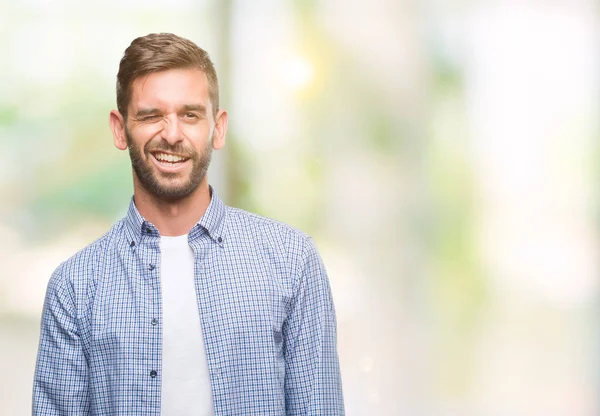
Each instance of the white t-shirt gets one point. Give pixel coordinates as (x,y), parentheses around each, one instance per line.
(185,379)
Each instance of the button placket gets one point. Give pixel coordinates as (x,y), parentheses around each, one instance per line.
(149,266)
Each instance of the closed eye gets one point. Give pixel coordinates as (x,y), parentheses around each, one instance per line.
(153,117)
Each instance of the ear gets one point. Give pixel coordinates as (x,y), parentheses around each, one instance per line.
(220,130)
(117,125)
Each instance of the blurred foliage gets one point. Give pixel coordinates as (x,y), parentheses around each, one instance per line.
(77,176)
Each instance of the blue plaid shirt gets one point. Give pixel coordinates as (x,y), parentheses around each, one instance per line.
(266,309)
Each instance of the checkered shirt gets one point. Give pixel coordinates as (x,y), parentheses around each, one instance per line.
(266,309)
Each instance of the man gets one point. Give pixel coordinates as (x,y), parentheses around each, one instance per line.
(186,306)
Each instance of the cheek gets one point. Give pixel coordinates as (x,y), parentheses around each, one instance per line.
(142,136)
(146,132)
(195,132)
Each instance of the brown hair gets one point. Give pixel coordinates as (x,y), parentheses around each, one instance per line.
(158,52)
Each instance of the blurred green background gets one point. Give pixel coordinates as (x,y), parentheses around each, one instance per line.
(443,155)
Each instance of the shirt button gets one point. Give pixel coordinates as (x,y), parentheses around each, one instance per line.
(154,321)
(153,373)
(220,240)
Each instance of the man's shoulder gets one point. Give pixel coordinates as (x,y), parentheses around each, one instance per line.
(241,220)
(91,255)
(289,241)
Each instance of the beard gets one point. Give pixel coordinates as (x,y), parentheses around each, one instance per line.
(168,186)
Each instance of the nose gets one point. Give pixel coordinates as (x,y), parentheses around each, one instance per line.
(171,131)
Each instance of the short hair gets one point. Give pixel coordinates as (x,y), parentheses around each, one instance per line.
(159,52)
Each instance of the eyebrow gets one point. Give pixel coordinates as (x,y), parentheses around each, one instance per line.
(142,112)
(194,107)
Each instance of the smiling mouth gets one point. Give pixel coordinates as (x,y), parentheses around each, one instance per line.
(168,159)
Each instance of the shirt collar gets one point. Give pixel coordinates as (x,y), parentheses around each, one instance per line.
(212,222)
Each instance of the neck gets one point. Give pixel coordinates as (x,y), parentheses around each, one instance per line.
(172,218)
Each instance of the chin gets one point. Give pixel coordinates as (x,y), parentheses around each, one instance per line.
(174,192)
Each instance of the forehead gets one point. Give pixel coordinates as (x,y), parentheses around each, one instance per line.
(170,89)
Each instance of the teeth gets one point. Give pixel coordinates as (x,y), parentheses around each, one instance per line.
(163,157)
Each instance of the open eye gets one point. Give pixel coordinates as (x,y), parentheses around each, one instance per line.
(190,116)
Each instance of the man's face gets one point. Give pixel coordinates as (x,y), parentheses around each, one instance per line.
(169,132)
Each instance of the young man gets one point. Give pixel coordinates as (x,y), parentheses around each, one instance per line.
(186,306)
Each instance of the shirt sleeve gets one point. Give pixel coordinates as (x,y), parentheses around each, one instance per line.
(60,385)
(312,374)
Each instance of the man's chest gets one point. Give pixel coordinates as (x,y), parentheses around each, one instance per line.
(239,295)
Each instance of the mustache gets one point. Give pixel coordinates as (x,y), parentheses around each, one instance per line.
(161,145)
